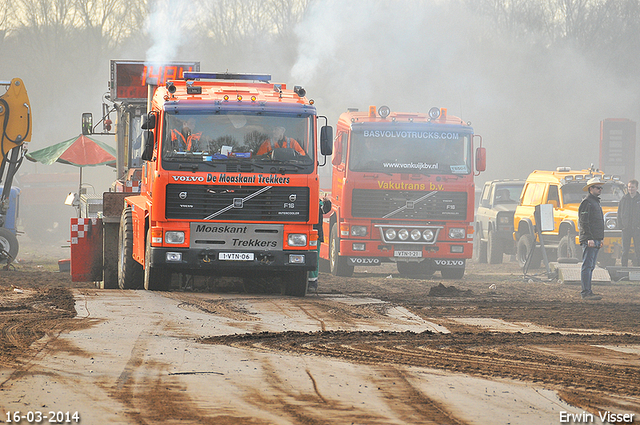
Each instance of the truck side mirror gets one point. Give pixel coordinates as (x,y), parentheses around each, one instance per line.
(326,138)
(148,122)
(147,155)
(87,123)
(481,159)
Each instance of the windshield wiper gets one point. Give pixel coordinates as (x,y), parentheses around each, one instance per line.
(192,167)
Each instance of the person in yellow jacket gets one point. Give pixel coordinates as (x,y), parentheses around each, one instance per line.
(278,140)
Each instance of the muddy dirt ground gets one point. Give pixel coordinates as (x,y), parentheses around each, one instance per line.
(502,325)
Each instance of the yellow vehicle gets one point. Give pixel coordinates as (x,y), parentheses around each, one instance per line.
(15,125)
(563,189)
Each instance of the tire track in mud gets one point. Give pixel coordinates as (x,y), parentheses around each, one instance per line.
(29,317)
(515,356)
(409,402)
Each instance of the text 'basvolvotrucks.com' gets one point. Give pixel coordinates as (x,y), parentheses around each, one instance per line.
(402,191)
(229,183)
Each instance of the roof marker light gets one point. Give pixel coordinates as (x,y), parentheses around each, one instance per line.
(372,111)
(434,112)
(384,111)
(239,97)
(225,97)
(253,98)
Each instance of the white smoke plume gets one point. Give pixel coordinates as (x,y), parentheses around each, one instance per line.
(166,24)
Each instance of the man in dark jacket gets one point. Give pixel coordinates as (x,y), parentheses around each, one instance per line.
(591,224)
(325,207)
(629,222)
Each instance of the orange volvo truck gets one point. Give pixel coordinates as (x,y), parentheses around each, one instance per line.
(229,183)
(402,191)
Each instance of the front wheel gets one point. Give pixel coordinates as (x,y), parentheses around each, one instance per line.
(567,248)
(8,245)
(479,246)
(526,248)
(295,283)
(338,264)
(155,278)
(129,270)
(494,248)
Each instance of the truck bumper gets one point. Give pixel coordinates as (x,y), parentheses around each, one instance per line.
(204,261)
(376,253)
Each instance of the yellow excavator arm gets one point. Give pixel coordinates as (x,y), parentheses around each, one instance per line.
(15,116)
(15,129)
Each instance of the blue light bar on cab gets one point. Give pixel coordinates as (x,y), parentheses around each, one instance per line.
(226,76)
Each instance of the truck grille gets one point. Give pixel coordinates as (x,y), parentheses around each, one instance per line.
(238,203)
(419,205)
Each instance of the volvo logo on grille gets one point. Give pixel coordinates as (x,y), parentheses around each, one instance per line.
(292,197)
(237,202)
(410,205)
(183,195)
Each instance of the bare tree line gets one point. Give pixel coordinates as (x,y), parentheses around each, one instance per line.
(605,30)
(52,29)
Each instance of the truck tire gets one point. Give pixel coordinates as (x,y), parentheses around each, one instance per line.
(525,246)
(110,236)
(295,283)
(567,248)
(479,246)
(129,270)
(155,278)
(494,248)
(338,264)
(8,245)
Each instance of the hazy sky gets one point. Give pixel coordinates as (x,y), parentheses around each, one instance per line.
(535,108)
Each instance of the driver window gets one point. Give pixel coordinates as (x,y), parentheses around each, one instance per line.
(553,197)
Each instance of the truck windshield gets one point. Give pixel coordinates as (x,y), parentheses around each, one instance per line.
(414,152)
(238,136)
(612,192)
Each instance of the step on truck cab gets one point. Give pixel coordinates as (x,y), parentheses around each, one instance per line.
(229,184)
(402,191)
(562,188)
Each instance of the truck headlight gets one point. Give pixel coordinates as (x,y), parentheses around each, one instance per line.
(416,235)
(428,235)
(611,223)
(174,237)
(297,239)
(390,234)
(457,233)
(504,219)
(403,234)
(358,230)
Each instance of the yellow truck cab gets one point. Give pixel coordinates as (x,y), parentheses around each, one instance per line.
(563,189)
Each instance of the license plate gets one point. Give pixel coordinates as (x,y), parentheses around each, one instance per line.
(405,254)
(236,256)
